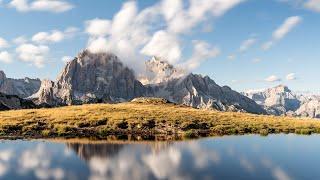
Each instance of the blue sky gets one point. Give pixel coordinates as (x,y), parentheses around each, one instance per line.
(226,42)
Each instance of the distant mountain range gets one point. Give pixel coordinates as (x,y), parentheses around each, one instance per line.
(20,87)
(103,78)
(280,100)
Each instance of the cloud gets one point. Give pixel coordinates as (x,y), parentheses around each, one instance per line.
(54,36)
(45,37)
(157,30)
(291,76)
(98,27)
(5,57)
(163,45)
(272,78)
(279,174)
(55,6)
(201,52)
(181,20)
(33,54)
(286,27)
(20,40)
(313,5)
(282,31)
(3,43)
(66,59)
(98,45)
(247,44)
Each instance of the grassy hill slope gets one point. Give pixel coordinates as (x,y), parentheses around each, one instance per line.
(143,119)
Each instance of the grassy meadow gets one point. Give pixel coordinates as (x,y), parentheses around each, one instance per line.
(143,119)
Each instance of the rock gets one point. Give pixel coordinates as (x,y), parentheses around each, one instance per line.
(20,87)
(158,70)
(280,100)
(91,78)
(9,102)
(310,108)
(202,92)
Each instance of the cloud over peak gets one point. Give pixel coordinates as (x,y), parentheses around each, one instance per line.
(272,78)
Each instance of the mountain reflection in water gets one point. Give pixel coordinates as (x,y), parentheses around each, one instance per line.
(281,157)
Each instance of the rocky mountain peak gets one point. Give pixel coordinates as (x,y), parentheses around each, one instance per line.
(20,87)
(158,70)
(93,77)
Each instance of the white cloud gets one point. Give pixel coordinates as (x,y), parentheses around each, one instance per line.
(282,31)
(313,5)
(20,40)
(291,76)
(180,20)
(154,31)
(163,45)
(98,27)
(286,27)
(33,54)
(5,57)
(3,43)
(280,174)
(98,45)
(66,59)
(201,52)
(48,37)
(247,44)
(56,6)
(54,36)
(272,78)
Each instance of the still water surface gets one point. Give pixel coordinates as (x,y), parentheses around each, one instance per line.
(281,157)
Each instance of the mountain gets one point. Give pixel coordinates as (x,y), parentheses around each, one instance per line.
(176,85)
(20,87)
(8,102)
(94,78)
(202,92)
(91,78)
(158,70)
(280,100)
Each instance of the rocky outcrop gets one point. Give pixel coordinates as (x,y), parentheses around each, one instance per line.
(280,100)
(9,102)
(158,70)
(20,87)
(202,92)
(310,107)
(91,78)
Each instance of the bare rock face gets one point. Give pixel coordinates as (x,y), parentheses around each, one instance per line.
(280,100)
(159,70)
(310,107)
(277,100)
(202,92)
(20,87)
(91,78)
(9,102)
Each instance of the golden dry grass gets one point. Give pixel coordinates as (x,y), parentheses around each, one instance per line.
(144,118)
